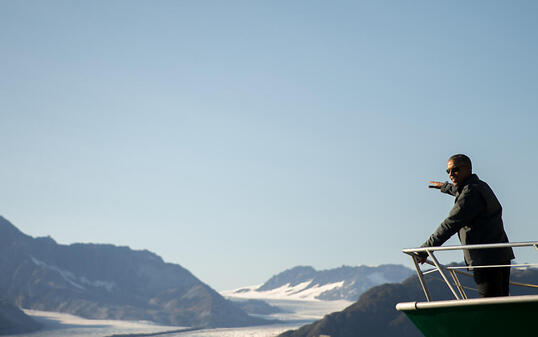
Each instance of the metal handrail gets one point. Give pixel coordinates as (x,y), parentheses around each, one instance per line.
(453,270)
(476,246)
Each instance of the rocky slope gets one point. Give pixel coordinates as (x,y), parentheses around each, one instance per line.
(107,282)
(14,321)
(257,307)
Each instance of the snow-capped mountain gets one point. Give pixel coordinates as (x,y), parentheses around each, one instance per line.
(306,283)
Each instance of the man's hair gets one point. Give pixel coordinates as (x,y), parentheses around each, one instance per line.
(461,159)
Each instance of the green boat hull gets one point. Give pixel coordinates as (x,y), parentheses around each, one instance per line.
(506,317)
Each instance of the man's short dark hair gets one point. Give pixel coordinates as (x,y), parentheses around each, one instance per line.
(461,159)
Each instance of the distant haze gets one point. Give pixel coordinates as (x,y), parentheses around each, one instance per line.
(242,138)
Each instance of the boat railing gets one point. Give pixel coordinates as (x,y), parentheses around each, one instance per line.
(453,271)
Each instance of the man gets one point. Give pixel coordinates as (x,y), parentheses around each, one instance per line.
(477,218)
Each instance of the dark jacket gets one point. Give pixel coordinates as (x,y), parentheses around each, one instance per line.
(477,217)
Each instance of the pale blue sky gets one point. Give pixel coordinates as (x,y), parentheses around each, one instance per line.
(241,138)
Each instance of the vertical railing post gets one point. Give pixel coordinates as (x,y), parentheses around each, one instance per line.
(443,274)
(421,279)
(458,284)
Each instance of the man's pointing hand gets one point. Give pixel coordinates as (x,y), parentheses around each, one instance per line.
(436,184)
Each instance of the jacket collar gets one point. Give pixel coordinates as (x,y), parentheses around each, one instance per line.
(473,178)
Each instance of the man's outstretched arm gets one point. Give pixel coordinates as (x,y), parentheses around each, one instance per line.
(466,208)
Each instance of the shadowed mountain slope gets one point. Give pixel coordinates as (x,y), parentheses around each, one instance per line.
(14,321)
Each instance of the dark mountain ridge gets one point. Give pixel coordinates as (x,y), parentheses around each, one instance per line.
(103,281)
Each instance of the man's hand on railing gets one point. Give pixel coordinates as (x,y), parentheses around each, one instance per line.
(421,259)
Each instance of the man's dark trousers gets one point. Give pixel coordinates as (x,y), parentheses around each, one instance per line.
(492,282)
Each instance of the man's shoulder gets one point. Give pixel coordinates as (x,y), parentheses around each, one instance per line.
(475,186)
(482,185)
(470,189)
(474,183)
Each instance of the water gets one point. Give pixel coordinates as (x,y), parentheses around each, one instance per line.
(263,331)
(297,313)
(65,325)
(59,324)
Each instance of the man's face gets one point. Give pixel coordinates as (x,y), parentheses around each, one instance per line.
(457,172)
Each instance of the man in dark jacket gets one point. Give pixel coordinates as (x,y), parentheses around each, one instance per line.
(477,218)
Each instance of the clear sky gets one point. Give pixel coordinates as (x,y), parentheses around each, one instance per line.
(241,138)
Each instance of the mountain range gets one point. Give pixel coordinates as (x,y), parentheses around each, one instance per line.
(306,283)
(102,281)
(109,282)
